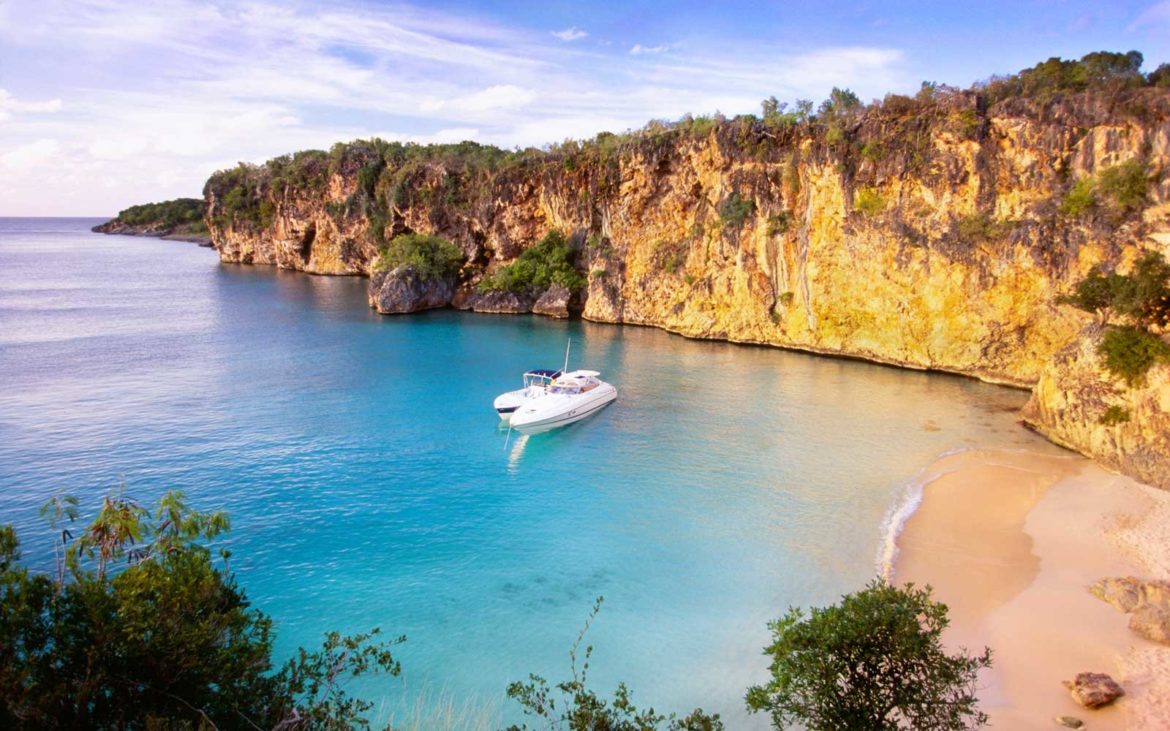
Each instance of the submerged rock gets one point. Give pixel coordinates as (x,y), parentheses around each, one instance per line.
(1093,690)
(1069,721)
(404,290)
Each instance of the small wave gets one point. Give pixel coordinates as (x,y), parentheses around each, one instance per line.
(900,511)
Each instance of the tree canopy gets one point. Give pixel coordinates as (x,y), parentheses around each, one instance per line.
(138,628)
(874,661)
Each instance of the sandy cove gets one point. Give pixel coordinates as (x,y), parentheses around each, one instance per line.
(1010,541)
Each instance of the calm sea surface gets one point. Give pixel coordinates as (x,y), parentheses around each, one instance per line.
(370,485)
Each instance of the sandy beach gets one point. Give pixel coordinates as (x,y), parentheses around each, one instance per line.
(1010,541)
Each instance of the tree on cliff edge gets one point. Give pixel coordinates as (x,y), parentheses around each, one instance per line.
(874,661)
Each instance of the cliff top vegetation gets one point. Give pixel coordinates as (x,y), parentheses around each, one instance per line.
(891,134)
(165,215)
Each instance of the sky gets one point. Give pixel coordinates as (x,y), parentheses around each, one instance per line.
(109,103)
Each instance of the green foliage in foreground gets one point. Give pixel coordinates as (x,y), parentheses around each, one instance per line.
(1130,352)
(166,214)
(580,709)
(875,661)
(551,261)
(431,256)
(137,627)
(168,641)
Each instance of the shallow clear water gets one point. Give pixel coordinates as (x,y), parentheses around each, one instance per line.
(370,485)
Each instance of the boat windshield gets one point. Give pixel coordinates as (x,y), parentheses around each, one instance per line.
(539,377)
(565,388)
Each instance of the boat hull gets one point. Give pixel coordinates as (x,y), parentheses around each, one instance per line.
(553,414)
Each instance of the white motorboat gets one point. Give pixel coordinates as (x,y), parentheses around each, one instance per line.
(568,398)
(535,383)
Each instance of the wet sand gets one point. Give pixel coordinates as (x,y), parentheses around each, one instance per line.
(1010,541)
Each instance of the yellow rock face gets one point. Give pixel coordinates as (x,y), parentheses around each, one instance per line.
(1070,401)
(946,251)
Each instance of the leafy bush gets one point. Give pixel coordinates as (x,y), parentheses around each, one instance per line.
(432,257)
(1125,185)
(736,209)
(580,709)
(1114,415)
(166,214)
(168,641)
(1130,352)
(1142,295)
(874,661)
(1121,187)
(978,227)
(550,261)
(873,151)
(1079,200)
(779,223)
(669,256)
(869,202)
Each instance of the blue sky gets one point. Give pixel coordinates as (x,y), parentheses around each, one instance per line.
(107,103)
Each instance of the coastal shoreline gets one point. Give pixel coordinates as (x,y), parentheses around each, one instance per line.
(1011,541)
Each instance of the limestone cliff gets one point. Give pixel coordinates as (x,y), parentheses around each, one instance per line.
(927,234)
(1075,398)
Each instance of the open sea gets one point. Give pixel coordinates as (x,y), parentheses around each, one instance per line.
(370,484)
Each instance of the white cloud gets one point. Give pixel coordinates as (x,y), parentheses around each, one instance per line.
(492,99)
(1155,16)
(570,34)
(10,105)
(31,156)
(196,87)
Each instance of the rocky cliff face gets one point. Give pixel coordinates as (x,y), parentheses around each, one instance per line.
(1072,402)
(928,236)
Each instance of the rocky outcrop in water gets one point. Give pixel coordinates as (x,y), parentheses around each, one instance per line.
(179,220)
(404,290)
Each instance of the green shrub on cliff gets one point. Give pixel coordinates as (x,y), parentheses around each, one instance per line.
(551,261)
(978,227)
(1114,415)
(1120,190)
(874,661)
(431,256)
(1130,352)
(1143,295)
(869,202)
(736,209)
(1125,185)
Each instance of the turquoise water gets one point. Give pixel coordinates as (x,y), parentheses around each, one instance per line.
(370,484)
